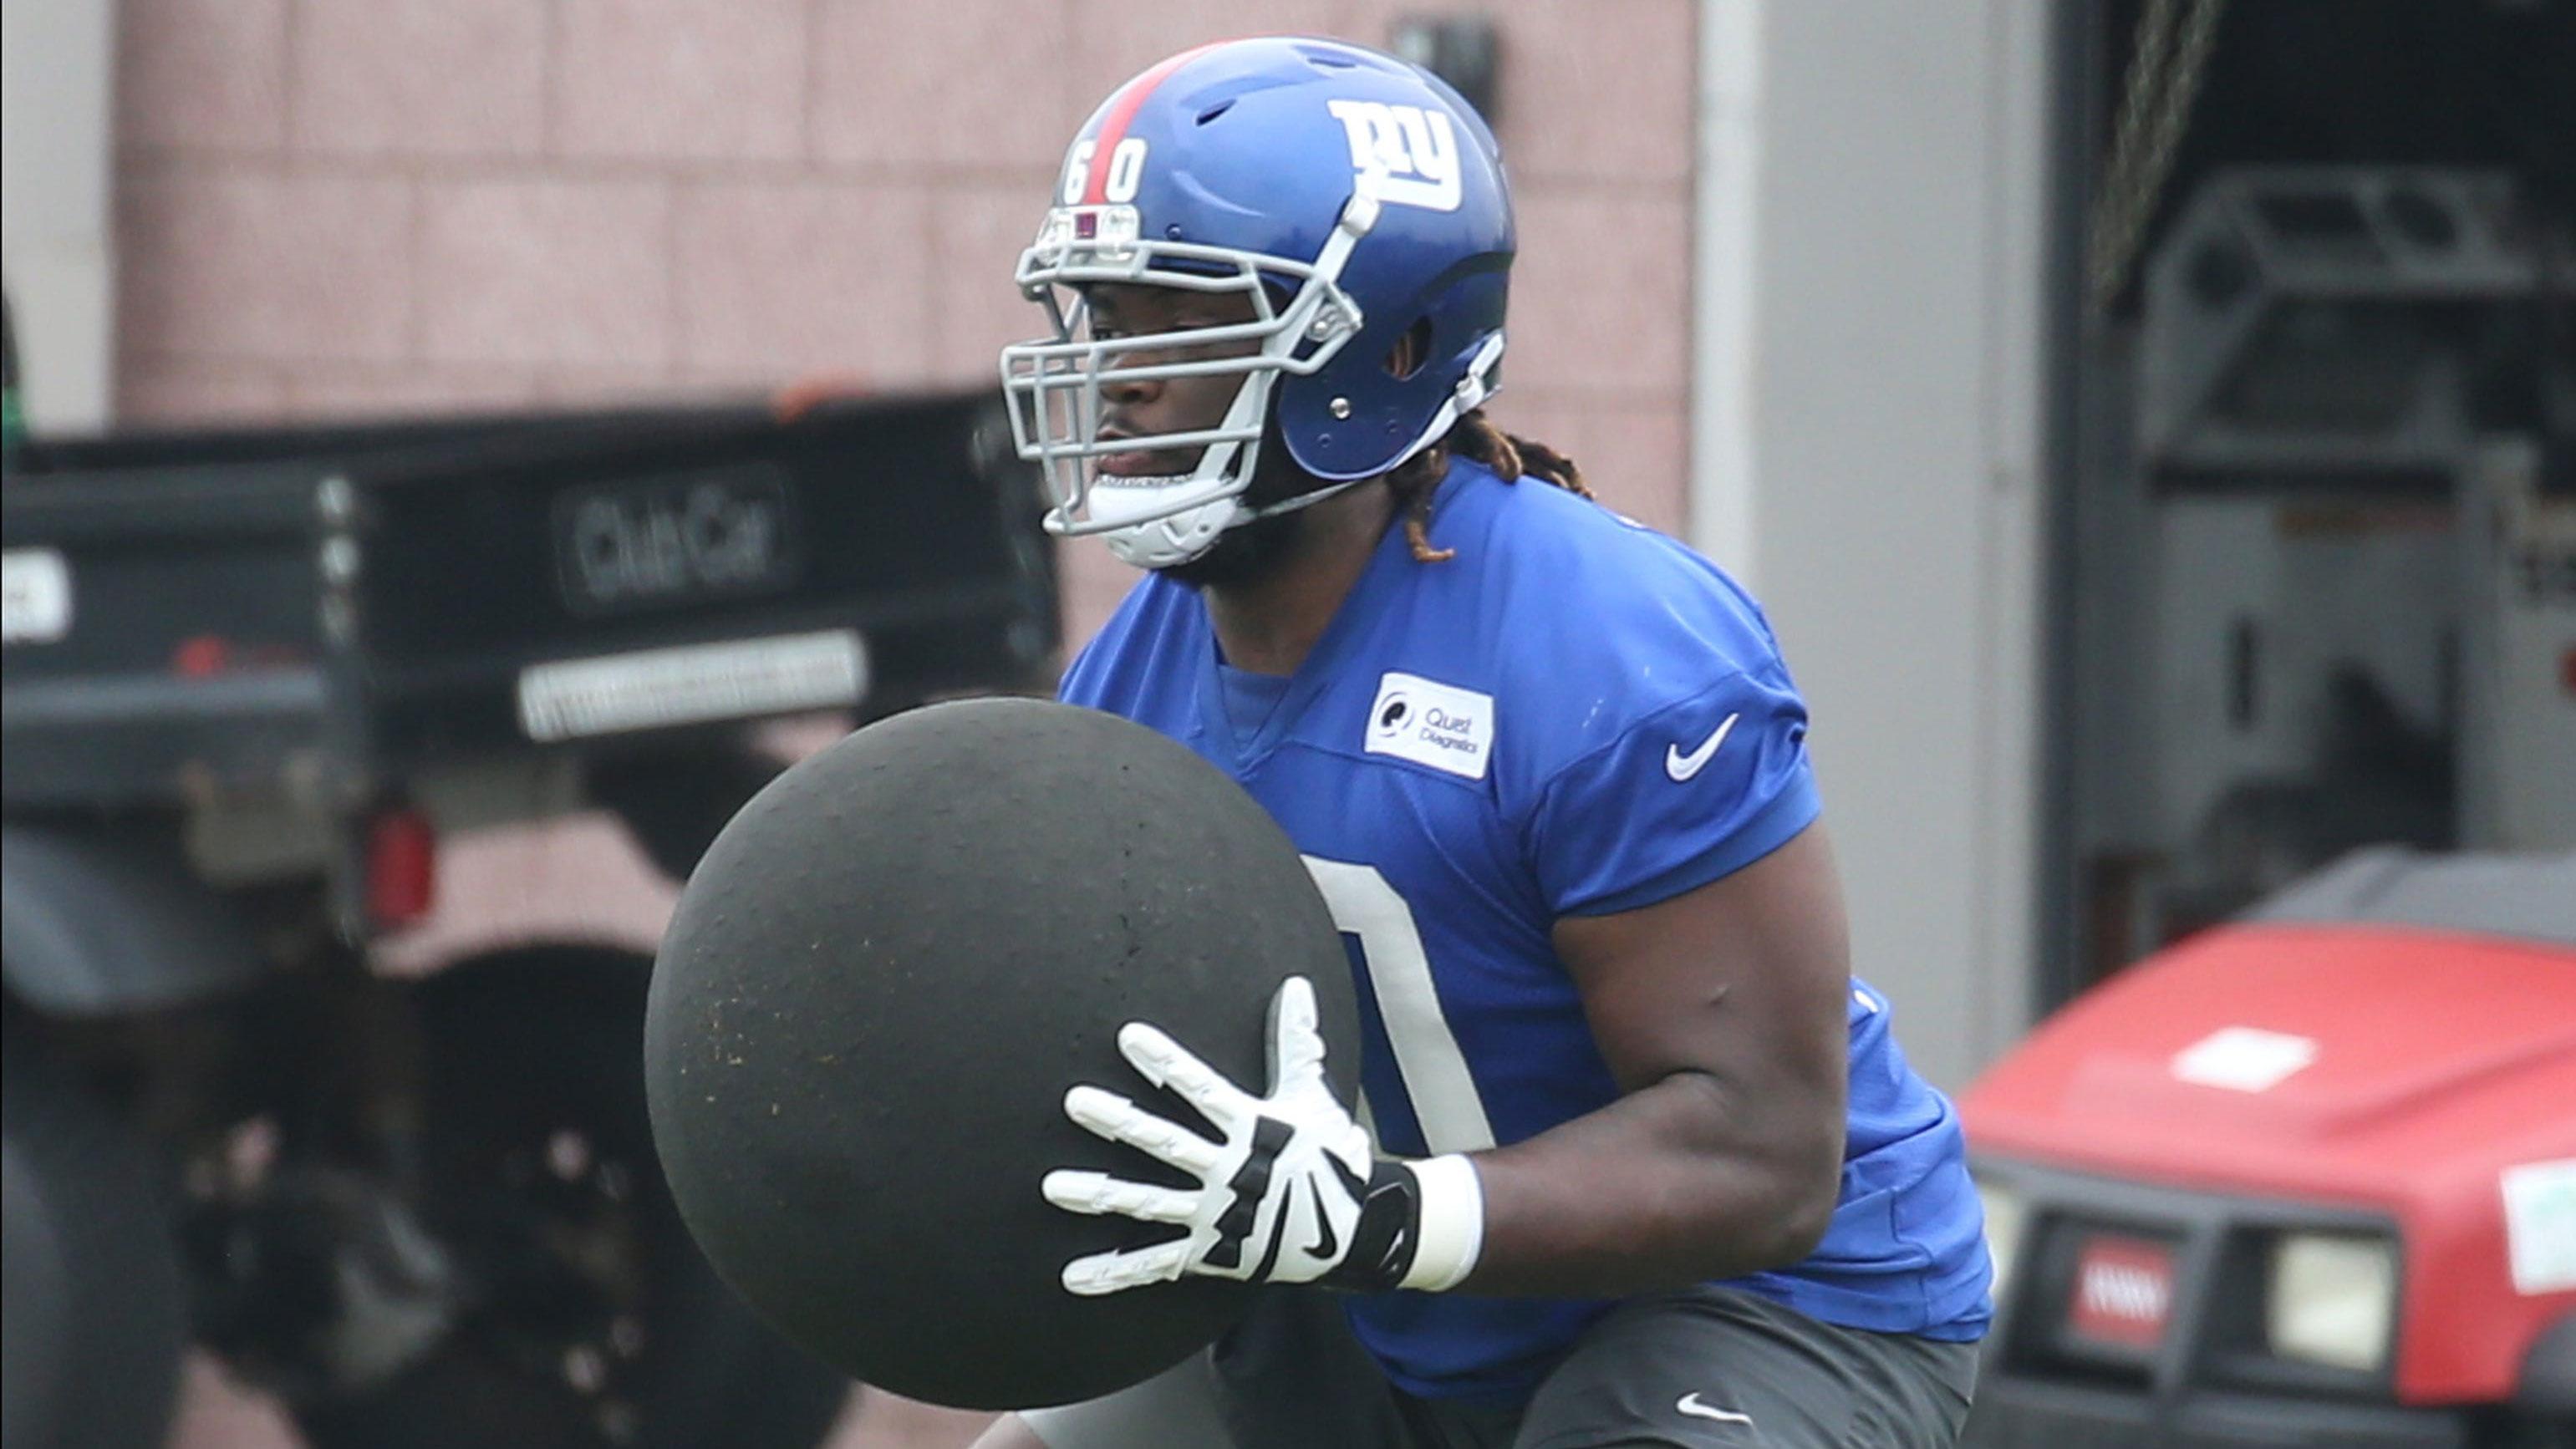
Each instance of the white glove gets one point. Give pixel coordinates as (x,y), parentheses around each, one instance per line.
(1292,1194)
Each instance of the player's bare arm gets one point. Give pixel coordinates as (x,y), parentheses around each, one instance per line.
(1721,1011)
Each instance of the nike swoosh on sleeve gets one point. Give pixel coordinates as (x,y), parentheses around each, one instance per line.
(1681,767)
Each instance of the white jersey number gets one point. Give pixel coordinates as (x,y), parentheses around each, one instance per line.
(1426,1050)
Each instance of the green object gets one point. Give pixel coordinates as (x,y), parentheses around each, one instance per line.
(13,423)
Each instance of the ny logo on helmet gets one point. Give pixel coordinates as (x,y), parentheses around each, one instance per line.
(1408,155)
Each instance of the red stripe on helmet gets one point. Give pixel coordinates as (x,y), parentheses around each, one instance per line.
(1122,109)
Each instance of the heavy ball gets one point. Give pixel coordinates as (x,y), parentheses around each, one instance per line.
(880,982)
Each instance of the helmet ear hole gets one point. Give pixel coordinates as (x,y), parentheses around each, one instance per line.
(1410,351)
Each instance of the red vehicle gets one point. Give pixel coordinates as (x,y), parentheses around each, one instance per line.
(2308,1178)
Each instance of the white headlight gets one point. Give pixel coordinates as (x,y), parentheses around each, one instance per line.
(2005,1219)
(2333,1297)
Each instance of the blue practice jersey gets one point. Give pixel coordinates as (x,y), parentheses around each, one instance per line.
(1573,716)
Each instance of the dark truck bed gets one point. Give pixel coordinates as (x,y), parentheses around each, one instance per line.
(329,611)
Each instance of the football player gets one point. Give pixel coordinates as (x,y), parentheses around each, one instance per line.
(1636,1159)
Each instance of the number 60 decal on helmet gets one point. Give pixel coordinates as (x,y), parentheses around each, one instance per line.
(1118,184)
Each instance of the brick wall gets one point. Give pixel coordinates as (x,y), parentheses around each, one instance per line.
(328,207)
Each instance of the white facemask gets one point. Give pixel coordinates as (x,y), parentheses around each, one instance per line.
(1055,383)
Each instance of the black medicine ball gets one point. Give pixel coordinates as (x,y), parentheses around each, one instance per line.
(880,982)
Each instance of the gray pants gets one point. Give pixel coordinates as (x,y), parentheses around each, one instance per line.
(1706,1366)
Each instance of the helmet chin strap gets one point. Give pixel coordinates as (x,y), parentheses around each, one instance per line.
(1304,500)
(1160,540)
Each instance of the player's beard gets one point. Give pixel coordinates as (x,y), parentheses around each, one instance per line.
(1251,552)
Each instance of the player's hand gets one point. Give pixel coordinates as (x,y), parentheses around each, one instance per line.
(1290,1191)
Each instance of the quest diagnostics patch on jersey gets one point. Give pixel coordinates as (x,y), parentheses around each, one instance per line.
(1431,723)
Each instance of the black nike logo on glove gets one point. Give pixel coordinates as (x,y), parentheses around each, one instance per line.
(1328,1244)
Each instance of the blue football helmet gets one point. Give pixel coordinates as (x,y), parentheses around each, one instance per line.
(1352,197)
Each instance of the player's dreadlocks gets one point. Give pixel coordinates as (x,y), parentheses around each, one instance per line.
(1472,436)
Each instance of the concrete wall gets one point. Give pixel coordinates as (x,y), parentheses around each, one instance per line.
(1868,413)
(365,206)
(57,68)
